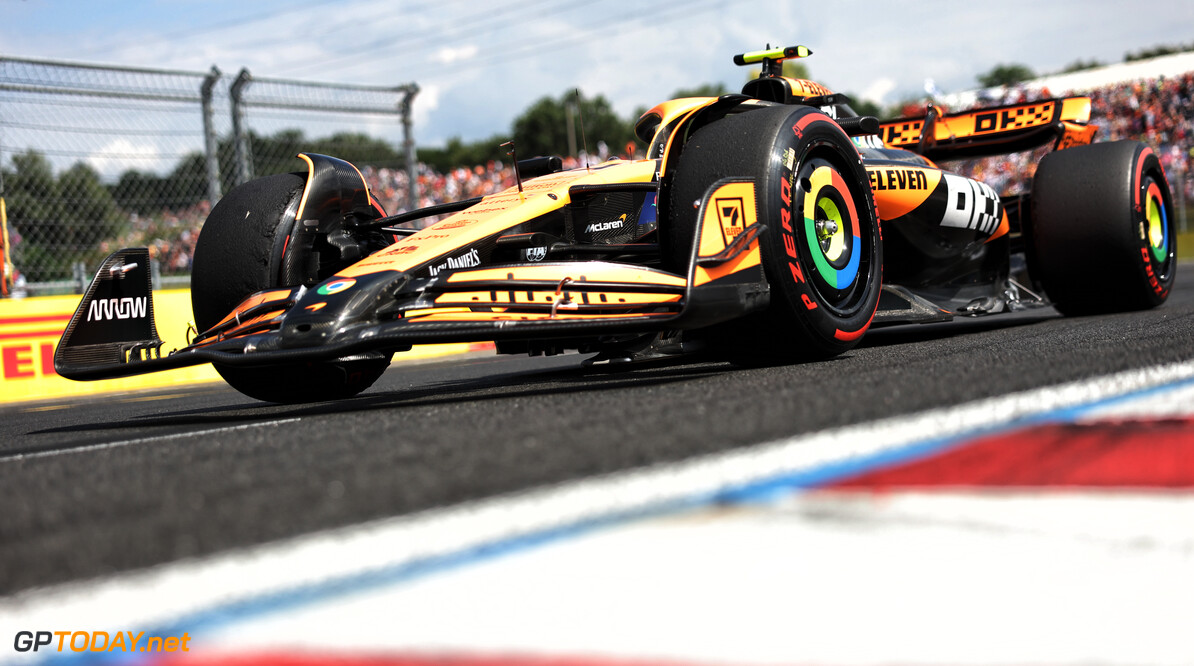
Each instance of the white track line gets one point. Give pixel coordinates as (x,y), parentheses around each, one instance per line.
(183,589)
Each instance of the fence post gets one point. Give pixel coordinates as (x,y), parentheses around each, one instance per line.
(80,274)
(210,144)
(408,143)
(244,164)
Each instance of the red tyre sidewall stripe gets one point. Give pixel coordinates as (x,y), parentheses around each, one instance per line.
(1137,180)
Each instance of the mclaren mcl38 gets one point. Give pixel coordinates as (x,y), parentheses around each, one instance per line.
(776,225)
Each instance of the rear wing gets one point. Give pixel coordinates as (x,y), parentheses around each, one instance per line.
(993,131)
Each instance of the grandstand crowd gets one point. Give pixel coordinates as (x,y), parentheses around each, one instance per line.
(1158,111)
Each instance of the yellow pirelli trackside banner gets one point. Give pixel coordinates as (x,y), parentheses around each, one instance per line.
(30,327)
(29,331)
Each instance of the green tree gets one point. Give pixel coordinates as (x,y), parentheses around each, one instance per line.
(1080,65)
(458,153)
(60,220)
(358,148)
(32,193)
(138,192)
(865,107)
(275,154)
(703,90)
(793,69)
(185,186)
(1005,75)
(1158,51)
(89,214)
(543,128)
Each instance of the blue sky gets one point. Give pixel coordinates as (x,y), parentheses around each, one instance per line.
(479,68)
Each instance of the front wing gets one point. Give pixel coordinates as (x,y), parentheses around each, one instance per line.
(112,333)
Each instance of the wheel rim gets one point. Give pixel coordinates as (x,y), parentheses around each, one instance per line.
(833,234)
(1158,222)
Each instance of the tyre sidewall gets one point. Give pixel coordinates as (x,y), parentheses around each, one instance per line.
(1155,273)
(241,250)
(801,293)
(1091,248)
(240,246)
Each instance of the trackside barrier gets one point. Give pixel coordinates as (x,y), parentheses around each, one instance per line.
(30,328)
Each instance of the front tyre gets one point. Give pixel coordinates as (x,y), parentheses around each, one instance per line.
(1103,237)
(822,251)
(242,248)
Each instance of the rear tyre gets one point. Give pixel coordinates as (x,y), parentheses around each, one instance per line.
(1102,229)
(822,251)
(241,250)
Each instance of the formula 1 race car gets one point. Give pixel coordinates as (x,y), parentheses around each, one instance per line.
(772,225)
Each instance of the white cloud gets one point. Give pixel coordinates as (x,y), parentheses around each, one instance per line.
(478,72)
(451,54)
(878,90)
(121,155)
(426,103)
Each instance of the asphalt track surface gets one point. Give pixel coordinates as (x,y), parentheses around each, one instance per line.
(90,487)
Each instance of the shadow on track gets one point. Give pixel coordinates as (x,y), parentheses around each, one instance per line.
(913,333)
(530,383)
(519,384)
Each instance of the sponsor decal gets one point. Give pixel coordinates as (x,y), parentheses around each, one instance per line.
(29,332)
(731,216)
(903,133)
(1076,135)
(20,361)
(98,641)
(1148,269)
(335,287)
(1012,119)
(806,88)
(535,254)
(469,259)
(456,224)
(404,249)
(117,308)
(898,179)
(789,239)
(970,204)
(606,226)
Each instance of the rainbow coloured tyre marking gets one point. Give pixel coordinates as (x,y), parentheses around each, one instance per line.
(1158,222)
(833,238)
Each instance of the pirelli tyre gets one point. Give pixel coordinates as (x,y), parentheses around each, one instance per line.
(241,250)
(821,251)
(1102,228)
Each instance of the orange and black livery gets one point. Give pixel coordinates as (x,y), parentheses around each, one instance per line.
(776,224)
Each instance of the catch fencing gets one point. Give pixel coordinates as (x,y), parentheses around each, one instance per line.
(94,158)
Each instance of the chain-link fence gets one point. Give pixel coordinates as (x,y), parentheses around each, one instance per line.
(93,158)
